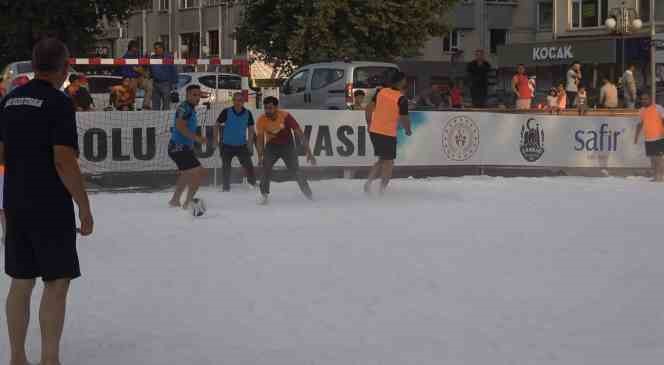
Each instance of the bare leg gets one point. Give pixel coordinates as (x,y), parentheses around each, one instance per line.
(388,166)
(653,164)
(373,174)
(18,318)
(52,319)
(197,176)
(180,185)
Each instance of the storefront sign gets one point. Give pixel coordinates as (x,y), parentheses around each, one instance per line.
(552,53)
(600,51)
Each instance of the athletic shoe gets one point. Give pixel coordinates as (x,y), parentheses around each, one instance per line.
(263,199)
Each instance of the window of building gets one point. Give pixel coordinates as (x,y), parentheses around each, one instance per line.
(213,42)
(452,41)
(545,16)
(164,5)
(589,13)
(192,45)
(498,37)
(188,4)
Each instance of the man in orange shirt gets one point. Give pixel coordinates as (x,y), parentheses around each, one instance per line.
(652,124)
(274,141)
(388,109)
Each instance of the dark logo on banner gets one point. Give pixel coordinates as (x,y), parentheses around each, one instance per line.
(532,140)
(461,138)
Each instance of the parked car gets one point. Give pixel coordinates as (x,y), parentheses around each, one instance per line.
(332,85)
(20,73)
(215,87)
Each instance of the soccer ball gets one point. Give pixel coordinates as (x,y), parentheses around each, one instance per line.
(198,208)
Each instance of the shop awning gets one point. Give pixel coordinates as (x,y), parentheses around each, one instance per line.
(558,53)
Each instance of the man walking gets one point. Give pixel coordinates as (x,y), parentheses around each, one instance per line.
(274,141)
(629,87)
(574,77)
(181,149)
(523,88)
(234,123)
(164,79)
(652,124)
(388,110)
(478,71)
(39,147)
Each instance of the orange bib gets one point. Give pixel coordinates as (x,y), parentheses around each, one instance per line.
(653,129)
(385,118)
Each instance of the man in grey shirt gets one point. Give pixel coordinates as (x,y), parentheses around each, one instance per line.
(629,87)
(573,81)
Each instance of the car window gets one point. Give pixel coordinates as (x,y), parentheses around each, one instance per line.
(230,82)
(183,80)
(102,85)
(297,83)
(24,67)
(323,77)
(371,77)
(208,81)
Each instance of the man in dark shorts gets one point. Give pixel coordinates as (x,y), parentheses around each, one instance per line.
(652,125)
(39,147)
(181,148)
(236,124)
(274,141)
(388,109)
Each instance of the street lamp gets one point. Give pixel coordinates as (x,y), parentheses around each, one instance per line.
(623,21)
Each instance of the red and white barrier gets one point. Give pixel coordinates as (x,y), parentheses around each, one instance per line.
(242,65)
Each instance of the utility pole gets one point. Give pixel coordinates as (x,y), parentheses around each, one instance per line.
(653,52)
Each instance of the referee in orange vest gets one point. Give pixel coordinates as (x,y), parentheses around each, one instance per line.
(652,124)
(388,109)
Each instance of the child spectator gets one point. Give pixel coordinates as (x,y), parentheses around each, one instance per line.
(79,95)
(456,95)
(562,98)
(358,100)
(581,101)
(552,101)
(123,96)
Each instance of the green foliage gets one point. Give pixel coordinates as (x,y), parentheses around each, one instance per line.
(286,32)
(76,22)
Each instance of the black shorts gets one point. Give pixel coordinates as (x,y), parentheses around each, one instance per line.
(385,147)
(655,148)
(47,252)
(183,156)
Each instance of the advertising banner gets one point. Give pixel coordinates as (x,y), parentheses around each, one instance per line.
(138,141)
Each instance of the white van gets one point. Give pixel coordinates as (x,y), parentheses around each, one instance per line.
(332,85)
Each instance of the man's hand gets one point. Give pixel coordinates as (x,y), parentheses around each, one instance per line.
(311,159)
(87,222)
(202,140)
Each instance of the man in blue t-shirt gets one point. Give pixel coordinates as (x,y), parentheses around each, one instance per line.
(234,123)
(181,148)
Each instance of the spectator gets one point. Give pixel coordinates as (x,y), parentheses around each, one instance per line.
(478,71)
(456,95)
(562,97)
(608,94)
(79,94)
(165,79)
(581,101)
(446,97)
(145,83)
(358,100)
(574,77)
(552,100)
(123,96)
(130,71)
(629,87)
(523,88)
(431,97)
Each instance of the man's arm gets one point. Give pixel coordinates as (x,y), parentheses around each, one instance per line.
(369,112)
(300,136)
(515,89)
(219,128)
(252,136)
(404,119)
(66,165)
(181,126)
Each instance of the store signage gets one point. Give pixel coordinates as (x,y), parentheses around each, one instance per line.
(553,53)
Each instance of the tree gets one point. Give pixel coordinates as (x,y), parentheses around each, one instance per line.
(285,32)
(76,22)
